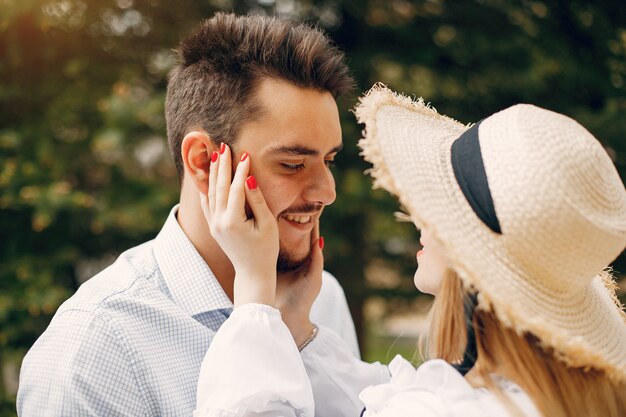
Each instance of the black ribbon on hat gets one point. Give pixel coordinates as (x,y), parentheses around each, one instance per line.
(469,171)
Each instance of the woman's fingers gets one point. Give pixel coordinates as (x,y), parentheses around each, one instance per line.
(224,173)
(237,196)
(256,201)
(226,202)
(315,234)
(204,204)
(215,161)
(317,258)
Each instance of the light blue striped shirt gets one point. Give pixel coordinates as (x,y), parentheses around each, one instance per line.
(130,342)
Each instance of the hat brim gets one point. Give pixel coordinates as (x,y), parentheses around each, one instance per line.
(409,144)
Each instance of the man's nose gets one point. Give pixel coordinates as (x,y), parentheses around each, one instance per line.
(321,186)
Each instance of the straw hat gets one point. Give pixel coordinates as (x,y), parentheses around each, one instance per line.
(560,216)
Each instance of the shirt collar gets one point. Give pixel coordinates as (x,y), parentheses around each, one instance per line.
(189,279)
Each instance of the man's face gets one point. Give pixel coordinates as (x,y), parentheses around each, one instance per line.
(291,146)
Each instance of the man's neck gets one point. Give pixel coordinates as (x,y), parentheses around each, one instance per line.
(192,221)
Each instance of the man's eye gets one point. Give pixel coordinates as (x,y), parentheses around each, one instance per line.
(290,167)
(330,163)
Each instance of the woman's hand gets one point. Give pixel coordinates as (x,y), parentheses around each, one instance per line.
(296,291)
(251,244)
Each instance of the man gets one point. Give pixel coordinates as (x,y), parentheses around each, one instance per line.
(132,339)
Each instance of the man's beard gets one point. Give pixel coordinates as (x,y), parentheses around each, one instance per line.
(287,261)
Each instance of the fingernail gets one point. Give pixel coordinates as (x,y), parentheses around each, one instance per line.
(222,147)
(214,156)
(321,242)
(251,182)
(244,156)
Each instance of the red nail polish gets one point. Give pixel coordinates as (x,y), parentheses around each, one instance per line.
(222,147)
(214,156)
(244,156)
(321,242)
(251,182)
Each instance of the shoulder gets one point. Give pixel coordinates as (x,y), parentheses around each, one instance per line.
(330,287)
(94,318)
(132,270)
(65,367)
(330,309)
(87,338)
(331,299)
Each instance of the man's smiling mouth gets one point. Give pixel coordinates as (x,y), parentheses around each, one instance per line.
(297,219)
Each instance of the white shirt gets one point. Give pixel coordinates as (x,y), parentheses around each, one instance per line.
(267,377)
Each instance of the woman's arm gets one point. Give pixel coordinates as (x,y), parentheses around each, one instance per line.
(255,350)
(264,374)
(254,353)
(260,369)
(337,377)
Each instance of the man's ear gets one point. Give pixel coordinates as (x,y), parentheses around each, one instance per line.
(196,149)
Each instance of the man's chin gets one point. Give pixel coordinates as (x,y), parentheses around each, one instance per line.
(289,262)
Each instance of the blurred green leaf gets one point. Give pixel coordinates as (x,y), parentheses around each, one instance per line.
(84,166)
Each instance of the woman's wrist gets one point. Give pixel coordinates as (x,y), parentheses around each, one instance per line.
(300,330)
(254,288)
(309,339)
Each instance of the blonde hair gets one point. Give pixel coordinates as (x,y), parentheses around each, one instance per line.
(556,389)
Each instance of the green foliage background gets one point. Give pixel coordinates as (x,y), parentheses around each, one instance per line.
(84,167)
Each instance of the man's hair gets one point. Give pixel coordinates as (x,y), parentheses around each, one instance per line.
(222,62)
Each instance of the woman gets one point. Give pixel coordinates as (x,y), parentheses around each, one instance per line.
(520,215)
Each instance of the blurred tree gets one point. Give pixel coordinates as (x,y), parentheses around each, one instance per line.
(84,167)
(470,59)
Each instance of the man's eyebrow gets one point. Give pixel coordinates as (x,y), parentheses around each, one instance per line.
(298,150)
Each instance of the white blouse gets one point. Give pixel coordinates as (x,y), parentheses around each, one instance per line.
(263,374)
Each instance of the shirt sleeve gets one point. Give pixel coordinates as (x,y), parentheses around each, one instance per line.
(264,374)
(261,372)
(337,377)
(90,377)
(436,389)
